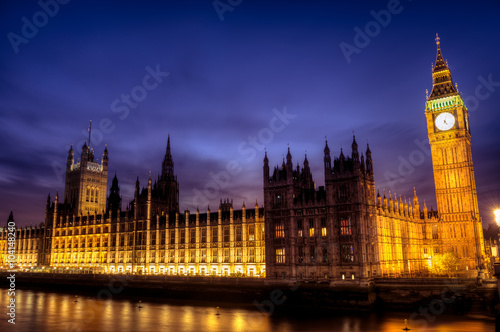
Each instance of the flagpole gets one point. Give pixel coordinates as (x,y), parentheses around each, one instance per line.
(90,125)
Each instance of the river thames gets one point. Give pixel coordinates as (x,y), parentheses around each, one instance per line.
(50,311)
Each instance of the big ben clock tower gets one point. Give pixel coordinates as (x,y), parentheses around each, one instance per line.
(460,227)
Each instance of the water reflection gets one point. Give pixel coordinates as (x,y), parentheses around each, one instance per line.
(46,311)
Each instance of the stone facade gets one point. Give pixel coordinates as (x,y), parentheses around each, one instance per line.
(86,182)
(150,236)
(341,232)
(460,226)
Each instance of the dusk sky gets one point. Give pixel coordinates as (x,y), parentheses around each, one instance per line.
(227,78)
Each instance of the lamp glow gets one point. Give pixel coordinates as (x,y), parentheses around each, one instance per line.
(497,216)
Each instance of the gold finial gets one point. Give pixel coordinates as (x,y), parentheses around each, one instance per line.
(426,93)
(437,39)
(456,86)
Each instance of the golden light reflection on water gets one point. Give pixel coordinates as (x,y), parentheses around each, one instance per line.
(165,316)
(441,323)
(187,318)
(45,311)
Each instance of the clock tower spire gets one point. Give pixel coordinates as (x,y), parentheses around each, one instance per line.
(449,136)
(441,77)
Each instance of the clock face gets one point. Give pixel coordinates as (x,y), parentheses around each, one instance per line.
(445,121)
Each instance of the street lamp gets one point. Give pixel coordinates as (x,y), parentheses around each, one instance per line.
(497,220)
(497,265)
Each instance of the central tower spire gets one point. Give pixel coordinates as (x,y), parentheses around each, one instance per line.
(168,162)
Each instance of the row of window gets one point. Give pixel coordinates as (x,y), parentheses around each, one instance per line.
(92,195)
(214,235)
(279,228)
(347,254)
(185,256)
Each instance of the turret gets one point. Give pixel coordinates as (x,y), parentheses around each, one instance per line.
(416,207)
(137,188)
(11,218)
(47,205)
(71,159)
(341,160)
(289,165)
(136,199)
(307,176)
(55,214)
(266,169)
(405,207)
(397,206)
(114,199)
(369,161)
(390,202)
(105,158)
(148,206)
(384,202)
(327,161)
(208,215)
(85,155)
(168,163)
(401,206)
(355,153)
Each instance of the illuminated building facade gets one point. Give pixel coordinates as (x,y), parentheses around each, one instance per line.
(150,236)
(460,226)
(29,245)
(343,231)
(86,182)
(326,233)
(225,242)
(340,232)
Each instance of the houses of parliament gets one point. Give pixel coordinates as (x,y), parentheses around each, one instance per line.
(342,231)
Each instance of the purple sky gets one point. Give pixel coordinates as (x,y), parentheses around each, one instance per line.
(227,79)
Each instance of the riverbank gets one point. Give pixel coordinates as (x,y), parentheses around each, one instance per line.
(455,296)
